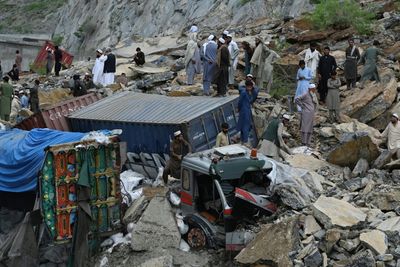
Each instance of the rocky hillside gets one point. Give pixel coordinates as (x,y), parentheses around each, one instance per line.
(86,25)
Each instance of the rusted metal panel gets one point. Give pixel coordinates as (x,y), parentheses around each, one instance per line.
(55,117)
(41,58)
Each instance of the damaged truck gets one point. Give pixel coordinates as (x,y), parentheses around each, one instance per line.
(221,189)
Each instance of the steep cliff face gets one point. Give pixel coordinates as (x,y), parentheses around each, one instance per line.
(88,24)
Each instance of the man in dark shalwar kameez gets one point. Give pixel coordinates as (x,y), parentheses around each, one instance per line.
(326,65)
(350,65)
(223,63)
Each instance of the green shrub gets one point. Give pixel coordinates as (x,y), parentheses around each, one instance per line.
(57,40)
(243,2)
(341,14)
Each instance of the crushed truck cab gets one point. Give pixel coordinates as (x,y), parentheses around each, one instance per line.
(220,189)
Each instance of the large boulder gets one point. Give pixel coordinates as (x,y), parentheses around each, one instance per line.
(361,103)
(156,228)
(334,212)
(348,154)
(273,244)
(343,130)
(296,187)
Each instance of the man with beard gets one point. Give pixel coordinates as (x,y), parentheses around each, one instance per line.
(97,72)
(222,137)
(223,63)
(311,58)
(327,64)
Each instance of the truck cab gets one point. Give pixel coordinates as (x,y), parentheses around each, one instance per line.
(220,189)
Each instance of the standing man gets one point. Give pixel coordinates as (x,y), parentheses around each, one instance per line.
(392,134)
(222,137)
(139,57)
(248,54)
(34,97)
(304,75)
(350,65)
(327,64)
(333,98)
(24,99)
(311,58)
(234,53)
(258,62)
(246,100)
(49,65)
(192,58)
(97,71)
(308,106)
(223,63)
(272,144)
(269,67)
(57,59)
(210,64)
(18,60)
(109,67)
(370,58)
(179,147)
(15,107)
(6,91)
(209,39)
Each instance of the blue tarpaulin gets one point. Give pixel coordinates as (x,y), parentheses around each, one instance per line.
(22,154)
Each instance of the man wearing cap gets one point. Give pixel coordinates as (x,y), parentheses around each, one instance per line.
(272,143)
(392,134)
(15,107)
(192,58)
(304,75)
(109,67)
(246,100)
(210,60)
(234,53)
(179,147)
(6,91)
(223,63)
(308,105)
(97,71)
(258,61)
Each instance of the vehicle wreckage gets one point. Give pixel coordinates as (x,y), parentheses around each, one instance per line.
(220,189)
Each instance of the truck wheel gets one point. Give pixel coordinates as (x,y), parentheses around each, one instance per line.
(196,238)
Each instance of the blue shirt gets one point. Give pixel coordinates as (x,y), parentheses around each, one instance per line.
(24,101)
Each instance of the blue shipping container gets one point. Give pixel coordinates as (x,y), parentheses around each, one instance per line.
(148,121)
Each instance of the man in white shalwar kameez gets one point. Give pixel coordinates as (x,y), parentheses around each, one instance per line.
(97,71)
(192,58)
(234,53)
(311,57)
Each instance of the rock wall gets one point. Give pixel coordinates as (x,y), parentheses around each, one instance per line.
(87,25)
